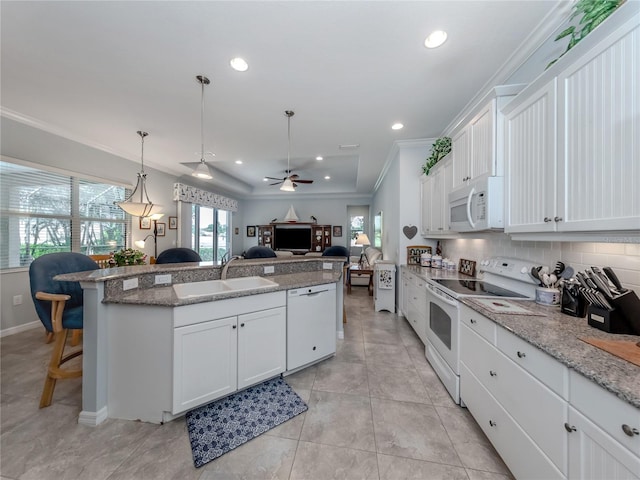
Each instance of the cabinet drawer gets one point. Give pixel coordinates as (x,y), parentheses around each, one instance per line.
(606,410)
(519,452)
(519,394)
(480,324)
(542,366)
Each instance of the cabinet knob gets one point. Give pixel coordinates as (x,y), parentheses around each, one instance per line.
(234,327)
(557,219)
(569,428)
(472,321)
(521,354)
(492,423)
(314,348)
(242,324)
(492,373)
(547,219)
(630,430)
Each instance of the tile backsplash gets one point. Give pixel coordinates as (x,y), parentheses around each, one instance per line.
(624,258)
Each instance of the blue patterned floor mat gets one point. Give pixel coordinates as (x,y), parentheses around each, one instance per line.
(229,422)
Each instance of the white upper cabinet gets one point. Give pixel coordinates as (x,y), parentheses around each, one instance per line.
(530,148)
(435,190)
(460,152)
(475,146)
(571,147)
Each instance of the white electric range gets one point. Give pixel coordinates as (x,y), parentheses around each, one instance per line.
(499,278)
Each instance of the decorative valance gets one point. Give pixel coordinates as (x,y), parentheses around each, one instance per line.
(187,193)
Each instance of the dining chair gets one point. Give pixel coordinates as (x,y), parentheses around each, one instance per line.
(59,306)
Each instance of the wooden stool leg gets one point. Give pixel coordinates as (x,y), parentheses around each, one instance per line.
(49,338)
(75,337)
(344,314)
(54,364)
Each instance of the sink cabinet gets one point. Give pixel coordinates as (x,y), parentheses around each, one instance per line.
(215,358)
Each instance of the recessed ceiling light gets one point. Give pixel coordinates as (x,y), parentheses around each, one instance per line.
(239,64)
(348,146)
(265,179)
(396,126)
(435,39)
(327,177)
(238,162)
(319,158)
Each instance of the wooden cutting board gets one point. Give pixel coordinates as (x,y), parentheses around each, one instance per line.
(629,351)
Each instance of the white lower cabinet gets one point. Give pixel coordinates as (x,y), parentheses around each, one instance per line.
(595,455)
(545,420)
(213,359)
(524,411)
(204,362)
(262,345)
(417,305)
(521,454)
(603,433)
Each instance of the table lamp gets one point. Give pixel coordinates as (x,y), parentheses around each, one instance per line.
(363,240)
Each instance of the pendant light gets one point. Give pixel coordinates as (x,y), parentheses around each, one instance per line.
(202,170)
(287,185)
(141,208)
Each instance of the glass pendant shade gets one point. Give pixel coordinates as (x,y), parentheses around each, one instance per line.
(287,185)
(202,171)
(140,208)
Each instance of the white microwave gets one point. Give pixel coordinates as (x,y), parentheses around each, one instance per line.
(477,206)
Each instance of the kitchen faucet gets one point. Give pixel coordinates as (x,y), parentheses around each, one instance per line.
(225,265)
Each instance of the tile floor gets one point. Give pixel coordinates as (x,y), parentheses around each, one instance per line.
(376,411)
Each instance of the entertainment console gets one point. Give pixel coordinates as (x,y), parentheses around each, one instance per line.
(297,237)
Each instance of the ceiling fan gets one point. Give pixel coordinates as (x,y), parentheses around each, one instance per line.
(294,179)
(289,182)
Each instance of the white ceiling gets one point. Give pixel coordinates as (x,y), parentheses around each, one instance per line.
(100,71)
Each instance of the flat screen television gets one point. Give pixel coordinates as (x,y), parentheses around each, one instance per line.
(293,238)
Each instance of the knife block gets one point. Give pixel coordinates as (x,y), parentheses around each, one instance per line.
(628,304)
(611,321)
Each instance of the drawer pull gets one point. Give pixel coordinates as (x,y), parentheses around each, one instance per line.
(492,423)
(492,373)
(569,428)
(234,327)
(473,321)
(629,430)
(521,354)
(547,219)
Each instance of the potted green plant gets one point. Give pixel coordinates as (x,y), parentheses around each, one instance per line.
(127,256)
(440,148)
(594,12)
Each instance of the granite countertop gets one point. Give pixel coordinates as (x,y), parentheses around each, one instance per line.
(559,335)
(166,296)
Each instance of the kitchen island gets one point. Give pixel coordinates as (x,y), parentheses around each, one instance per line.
(132,317)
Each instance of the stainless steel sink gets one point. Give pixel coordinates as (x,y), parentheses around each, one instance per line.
(217,287)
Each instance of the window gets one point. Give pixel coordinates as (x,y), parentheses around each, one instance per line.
(210,232)
(358,223)
(45,212)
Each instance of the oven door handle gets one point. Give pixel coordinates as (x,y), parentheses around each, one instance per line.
(452,303)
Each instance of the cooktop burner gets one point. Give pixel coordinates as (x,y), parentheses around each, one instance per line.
(477,288)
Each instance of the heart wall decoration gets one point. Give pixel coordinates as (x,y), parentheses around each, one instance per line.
(410,231)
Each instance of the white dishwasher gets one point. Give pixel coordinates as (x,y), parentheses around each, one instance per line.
(311,324)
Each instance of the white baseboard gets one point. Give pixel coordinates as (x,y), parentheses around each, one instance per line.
(92,419)
(20,328)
